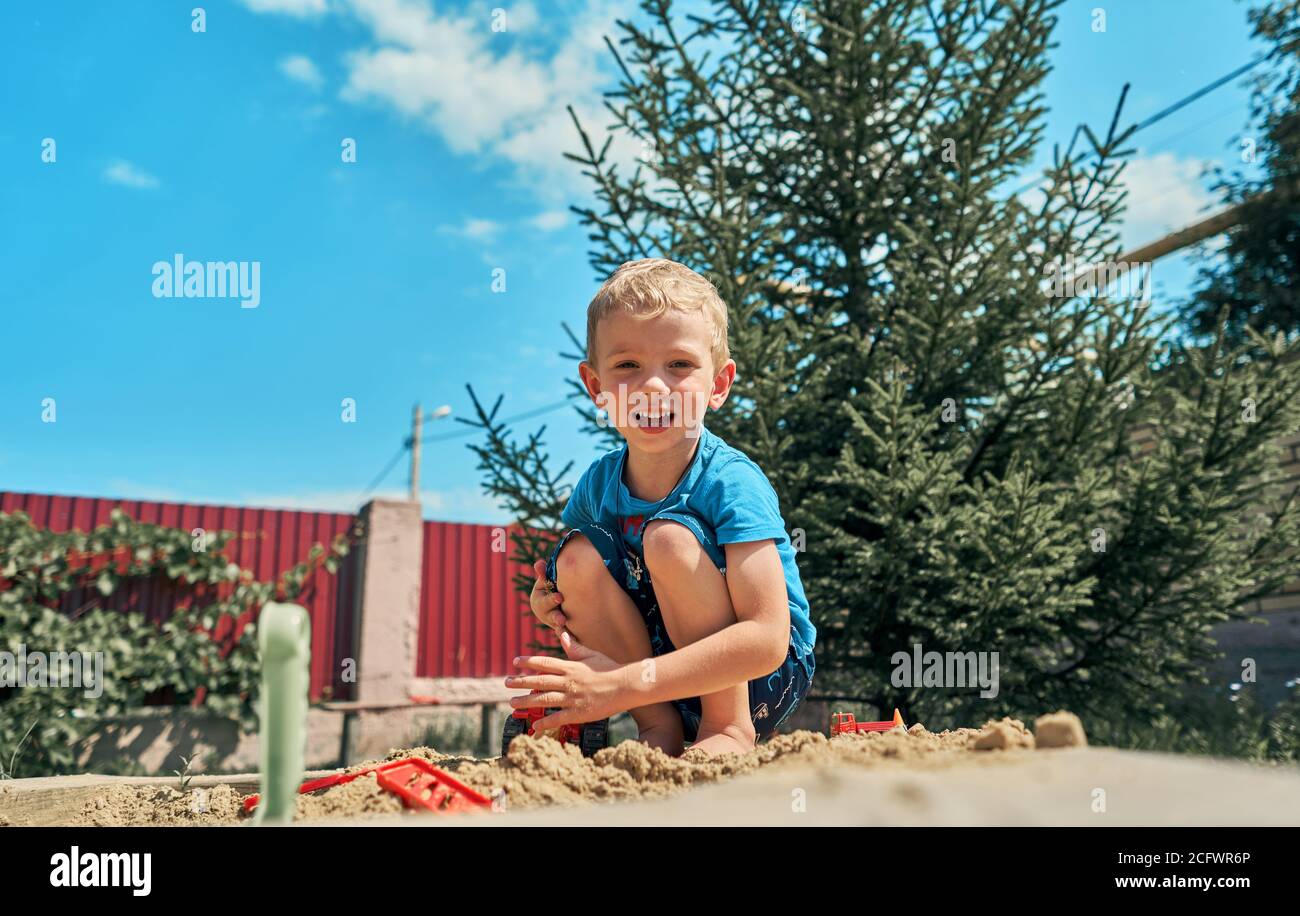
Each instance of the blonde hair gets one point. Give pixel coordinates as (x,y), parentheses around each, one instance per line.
(648,288)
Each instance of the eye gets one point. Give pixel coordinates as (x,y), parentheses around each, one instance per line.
(624,363)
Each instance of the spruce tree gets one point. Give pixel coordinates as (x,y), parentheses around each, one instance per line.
(1257,279)
(973,459)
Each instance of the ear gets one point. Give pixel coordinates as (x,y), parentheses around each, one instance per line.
(590,382)
(722,382)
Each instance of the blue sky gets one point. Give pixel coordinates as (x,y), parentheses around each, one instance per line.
(376,274)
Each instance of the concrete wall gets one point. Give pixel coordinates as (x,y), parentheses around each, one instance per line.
(388,618)
(156,738)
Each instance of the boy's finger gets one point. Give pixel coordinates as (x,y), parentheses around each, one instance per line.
(549,723)
(545,603)
(545,664)
(534,682)
(554,720)
(558,620)
(537,700)
(542,586)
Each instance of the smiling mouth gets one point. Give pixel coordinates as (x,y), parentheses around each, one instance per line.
(652,421)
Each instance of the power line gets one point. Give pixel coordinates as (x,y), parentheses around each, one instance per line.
(1162,114)
(1204,90)
(1171,138)
(406,445)
(379,478)
(527,415)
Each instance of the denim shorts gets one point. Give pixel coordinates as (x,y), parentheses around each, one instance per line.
(771,698)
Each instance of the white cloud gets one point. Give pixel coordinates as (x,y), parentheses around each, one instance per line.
(522,17)
(299,68)
(481,228)
(124,173)
(445,74)
(475,229)
(549,221)
(298,8)
(1165,193)
(488,94)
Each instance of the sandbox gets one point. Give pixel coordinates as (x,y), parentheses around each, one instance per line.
(995,775)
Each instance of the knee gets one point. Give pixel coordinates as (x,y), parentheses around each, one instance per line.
(578,567)
(668,544)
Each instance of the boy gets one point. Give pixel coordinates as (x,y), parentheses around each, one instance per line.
(675,591)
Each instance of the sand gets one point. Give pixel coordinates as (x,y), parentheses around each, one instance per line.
(1001,774)
(540,773)
(136,806)
(1059,729)
(1006,734)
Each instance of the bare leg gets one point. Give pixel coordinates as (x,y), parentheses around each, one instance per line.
(695,603)
(601,615)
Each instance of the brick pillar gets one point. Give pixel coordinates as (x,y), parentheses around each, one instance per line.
(388,615)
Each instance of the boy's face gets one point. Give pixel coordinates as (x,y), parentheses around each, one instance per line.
(655,377)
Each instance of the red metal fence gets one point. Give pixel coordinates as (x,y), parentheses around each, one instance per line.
(267,542)
(472,620)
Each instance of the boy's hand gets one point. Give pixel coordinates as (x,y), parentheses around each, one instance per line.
(545,601)
(585,688)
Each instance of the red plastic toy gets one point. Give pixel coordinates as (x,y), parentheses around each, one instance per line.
(845,723)
(417,782)
(589,736)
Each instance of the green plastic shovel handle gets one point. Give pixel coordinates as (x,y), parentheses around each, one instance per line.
(284,639)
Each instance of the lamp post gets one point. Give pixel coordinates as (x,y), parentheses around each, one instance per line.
(417,422)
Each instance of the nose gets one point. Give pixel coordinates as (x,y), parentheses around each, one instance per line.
(654,386)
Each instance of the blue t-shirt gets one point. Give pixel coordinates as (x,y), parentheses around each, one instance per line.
(724,497)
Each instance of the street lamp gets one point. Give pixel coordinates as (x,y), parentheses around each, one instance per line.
(417,421)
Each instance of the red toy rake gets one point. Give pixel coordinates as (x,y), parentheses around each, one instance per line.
(844,723)
(416,782)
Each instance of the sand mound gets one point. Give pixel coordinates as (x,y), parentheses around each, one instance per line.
(137,806)
(1003,735)
(1059,729)
(358,798)
(539,772)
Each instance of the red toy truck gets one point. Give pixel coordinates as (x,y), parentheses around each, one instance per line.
(845,723)
(589,736)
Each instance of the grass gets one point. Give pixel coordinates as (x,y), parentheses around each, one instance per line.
(7,772)
(185,775)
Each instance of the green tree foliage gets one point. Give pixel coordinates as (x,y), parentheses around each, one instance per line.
(955,435)
(1218,721)
(1257,279)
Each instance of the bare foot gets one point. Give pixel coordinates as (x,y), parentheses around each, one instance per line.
(660,725)
(730,739)
(667,736)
